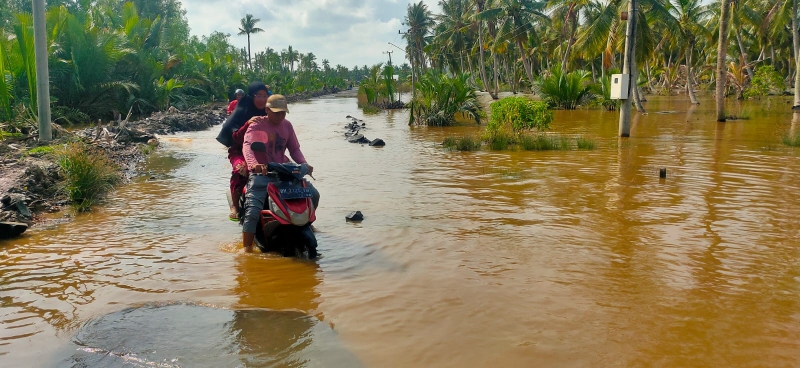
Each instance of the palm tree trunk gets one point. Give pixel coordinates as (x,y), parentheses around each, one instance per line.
(482,66)
(525,63)
(603,65)
(722,49)
(689,78)
(496,71)
(796,47)
(471,71)
(574,26)
(747,67)
(637,100)
(249,60)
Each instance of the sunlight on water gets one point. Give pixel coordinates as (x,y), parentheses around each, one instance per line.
(551,258)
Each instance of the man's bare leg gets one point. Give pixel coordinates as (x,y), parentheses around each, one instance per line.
(247,241)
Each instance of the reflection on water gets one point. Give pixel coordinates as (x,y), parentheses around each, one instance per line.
(181,335)
(576,258)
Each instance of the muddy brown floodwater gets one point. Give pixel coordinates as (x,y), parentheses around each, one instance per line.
(481,259)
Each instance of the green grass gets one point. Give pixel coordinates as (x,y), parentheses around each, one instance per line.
(146,149)
(41,150)
(585,143)
(542,142)
(465,143)
(88,174)
(793,141)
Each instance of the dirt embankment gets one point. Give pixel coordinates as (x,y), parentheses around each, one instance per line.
(30,180)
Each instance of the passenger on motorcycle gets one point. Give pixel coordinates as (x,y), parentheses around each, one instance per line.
(278,135)
(232,106)
(232,136)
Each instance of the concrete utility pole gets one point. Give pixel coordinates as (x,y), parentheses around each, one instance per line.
(42,71)
(390,56)
(625,110)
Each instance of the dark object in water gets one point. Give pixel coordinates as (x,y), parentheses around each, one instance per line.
(662,173)
(355,216)
(377,142)
(358,138)
(12,229)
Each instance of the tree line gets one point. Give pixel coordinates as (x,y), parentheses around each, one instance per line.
(109,58)
(510,44)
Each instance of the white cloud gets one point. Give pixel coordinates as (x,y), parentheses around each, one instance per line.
(347,32)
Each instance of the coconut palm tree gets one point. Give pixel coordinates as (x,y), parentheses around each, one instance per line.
(516,20)
(687,18)
(451,35)
(248,27)
(568,11)
(291,56)
(419,20)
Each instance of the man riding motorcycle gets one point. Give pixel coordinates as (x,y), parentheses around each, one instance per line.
(278,136)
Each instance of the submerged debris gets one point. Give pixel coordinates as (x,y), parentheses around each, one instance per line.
(354,216)
(353,133)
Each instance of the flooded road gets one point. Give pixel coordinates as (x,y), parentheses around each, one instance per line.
(509,259)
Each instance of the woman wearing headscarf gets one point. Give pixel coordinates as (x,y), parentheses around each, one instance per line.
(232,136)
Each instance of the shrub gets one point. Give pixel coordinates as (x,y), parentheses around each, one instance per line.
(513,115)
(585,143)
(465,143)
(765,80)
(440,97)
(565,91)
(88,174)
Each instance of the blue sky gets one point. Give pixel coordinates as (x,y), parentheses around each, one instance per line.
(347,32)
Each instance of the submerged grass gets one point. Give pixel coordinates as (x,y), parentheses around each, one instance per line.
(499,142)
(88,174)
(585,143)
(541,142)
(793,141)
(464,143)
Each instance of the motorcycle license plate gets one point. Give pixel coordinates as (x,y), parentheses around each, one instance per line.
(294,192)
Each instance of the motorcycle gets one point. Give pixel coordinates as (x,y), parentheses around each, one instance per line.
(285,224)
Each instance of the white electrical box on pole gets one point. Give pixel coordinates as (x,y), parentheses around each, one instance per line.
(619,86)
(42,71)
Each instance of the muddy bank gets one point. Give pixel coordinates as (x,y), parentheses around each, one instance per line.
(30,178)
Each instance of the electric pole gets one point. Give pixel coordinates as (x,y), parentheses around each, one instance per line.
(390,56)
(42,71)
(625,109)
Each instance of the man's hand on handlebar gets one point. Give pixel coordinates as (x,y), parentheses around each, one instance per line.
(259,169)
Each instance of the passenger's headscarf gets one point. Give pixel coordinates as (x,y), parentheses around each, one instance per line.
(245,110)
